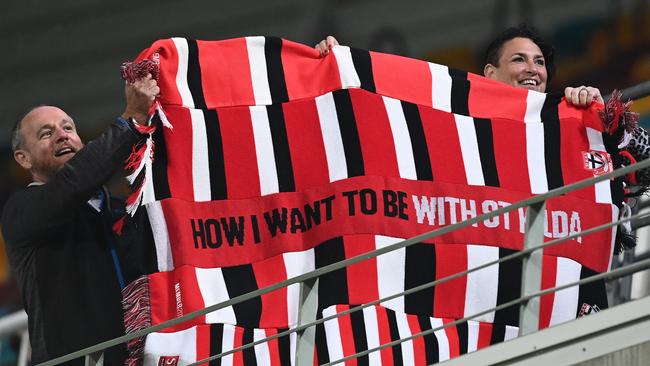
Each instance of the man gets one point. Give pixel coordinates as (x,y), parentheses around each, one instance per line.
(58,229)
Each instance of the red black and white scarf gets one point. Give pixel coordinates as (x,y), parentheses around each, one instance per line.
(276,161)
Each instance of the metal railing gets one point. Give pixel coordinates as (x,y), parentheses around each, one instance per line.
(530,282)
(529,301)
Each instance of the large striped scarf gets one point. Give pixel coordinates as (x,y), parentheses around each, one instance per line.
(275,162)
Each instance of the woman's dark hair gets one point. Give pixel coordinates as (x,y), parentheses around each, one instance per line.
(493,51)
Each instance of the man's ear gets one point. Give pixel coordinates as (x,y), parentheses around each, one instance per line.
(489,70)
(22,157)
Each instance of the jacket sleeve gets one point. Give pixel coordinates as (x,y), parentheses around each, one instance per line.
(639,148)
(33,212)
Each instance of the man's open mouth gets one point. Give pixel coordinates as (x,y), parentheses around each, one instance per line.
(64,151)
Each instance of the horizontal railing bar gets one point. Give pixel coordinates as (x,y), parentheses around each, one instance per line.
(619,272)
(12,323)
(634,92)
(338,265)
(421,287)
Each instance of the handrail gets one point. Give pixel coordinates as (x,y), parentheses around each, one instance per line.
(338,265)
(635,92)
(12,323)
(424,286)
(616,273)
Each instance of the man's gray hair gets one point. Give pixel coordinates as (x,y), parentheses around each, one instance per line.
(17,139)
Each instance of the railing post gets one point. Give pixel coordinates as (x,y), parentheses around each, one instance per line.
(531,278)
(23,352)
(95,359)
(307,312)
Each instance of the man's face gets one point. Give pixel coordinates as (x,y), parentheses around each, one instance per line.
(521,64)
(49,140)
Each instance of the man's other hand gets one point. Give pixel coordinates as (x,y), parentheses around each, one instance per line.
(140,96)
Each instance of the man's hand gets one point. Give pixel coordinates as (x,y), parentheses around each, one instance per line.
(140,96)
(324,46)
(582,96)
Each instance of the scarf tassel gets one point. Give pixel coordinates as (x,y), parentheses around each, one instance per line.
(137,163)
(616,116)
(136,303)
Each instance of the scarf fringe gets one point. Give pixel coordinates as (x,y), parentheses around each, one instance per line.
(136,165)
(617,117)
(163,116)
(624,241)
(136,303)
(132,71)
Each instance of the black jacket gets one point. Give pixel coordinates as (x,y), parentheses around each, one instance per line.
(59,249)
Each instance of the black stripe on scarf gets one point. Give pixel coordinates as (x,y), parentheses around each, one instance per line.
(431,347)
(322,352)
(359,336)
(485,141)
(420,268)
(363,66)
(459,92)
(593,295)
(240,280)
(281,148)
(216,342)
(216,163)
(275,70)
(332,287)
(508,289)
(194,74)
(284,348)
(462,330)
(159,165)
(349,133)
(552,143)
(249,353)
(418,141)
(139,231)
(394,336)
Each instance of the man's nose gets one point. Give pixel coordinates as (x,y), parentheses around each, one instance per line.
(61,134)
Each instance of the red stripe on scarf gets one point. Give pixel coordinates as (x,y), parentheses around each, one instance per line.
(306,144)
(305,71)
(202,342)
(179,153)
(573,142)
(419,349)
(384,335)
(375,134)
(444,146)
(274,304)
(362,276)
(347,340)
(483,93)
(449,297)
(484,334)
(225,65)
(166,287)
(412,83)
(510,154)
(549,273)
(239,156)
(452,337)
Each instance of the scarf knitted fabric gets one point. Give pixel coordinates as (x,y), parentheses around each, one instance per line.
(270,161)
